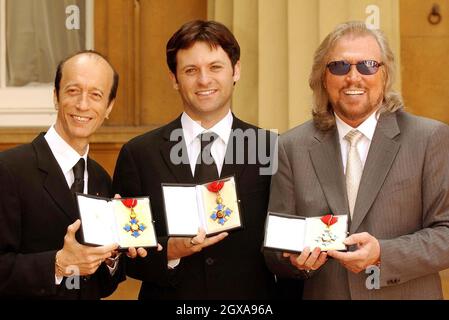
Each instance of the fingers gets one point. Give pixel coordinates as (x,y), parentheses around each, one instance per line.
(142,252)
(335,254)
(308,260)
(178,247)
(194,241)
(213,240)
(201,240)
(99,253)
(322,258)
(103,250)
(353,261)
(301,259)
(345,256)
(110,247)
(90,268)
(200,236)
(132,252)
(357,238)
(313,257)
(117,196)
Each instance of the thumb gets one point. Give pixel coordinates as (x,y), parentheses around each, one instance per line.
(73,228)
(356,238)
(117,196)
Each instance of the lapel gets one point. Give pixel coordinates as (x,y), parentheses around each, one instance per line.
(326,159)
(381,155)
(180,167)
(93,187)
(230,165)
(54,181)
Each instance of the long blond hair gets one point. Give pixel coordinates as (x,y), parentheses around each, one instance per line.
(322,111)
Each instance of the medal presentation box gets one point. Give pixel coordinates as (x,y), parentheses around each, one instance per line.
(214,206)
(290,233)
(126,221)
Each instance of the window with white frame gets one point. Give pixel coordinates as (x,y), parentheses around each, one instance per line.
(34,36)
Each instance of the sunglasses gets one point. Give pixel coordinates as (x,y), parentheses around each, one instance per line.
(365,67)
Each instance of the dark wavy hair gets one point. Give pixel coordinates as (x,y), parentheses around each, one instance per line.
(211,32)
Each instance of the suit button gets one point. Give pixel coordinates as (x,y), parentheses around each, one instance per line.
(210,261)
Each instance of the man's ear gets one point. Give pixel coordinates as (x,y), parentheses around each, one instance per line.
(109,109)
(236,75)
(55,99)
(173,80)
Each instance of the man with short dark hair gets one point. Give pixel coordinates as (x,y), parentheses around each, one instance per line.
(203,57)
(364,156)
(39,249)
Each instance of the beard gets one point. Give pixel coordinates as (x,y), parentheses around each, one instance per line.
(358,113)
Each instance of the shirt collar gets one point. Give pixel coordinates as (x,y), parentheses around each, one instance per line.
(192,129)
(367,127)
(65,155)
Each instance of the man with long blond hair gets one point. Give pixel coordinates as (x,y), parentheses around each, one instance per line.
(364,156)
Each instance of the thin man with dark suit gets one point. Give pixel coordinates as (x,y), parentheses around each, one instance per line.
(39,250)
(203,58)
(364,156)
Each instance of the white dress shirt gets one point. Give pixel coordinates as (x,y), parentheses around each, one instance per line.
(66,156)
(191,129)
(367,128)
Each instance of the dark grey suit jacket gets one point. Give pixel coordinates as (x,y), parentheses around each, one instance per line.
(403,201)
(36,207)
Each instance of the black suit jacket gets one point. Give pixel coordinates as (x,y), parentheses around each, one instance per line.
(36,207)
(231,269)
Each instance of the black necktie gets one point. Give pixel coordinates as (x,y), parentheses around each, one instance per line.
(78,173)
(206,169)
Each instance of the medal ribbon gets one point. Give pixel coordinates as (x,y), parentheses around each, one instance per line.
(329,220)
(215,186)
(129,203)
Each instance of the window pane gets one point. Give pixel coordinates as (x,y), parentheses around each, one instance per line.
(40,33)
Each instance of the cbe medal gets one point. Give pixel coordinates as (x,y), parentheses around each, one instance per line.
(221,213)
(133,225)
(327,237)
